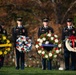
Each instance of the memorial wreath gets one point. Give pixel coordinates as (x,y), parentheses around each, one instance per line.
(70,43)
(23,44)
(45,40)
(5,45)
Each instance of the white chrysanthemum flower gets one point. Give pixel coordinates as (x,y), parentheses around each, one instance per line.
(50,54)
(43,52)
(40,44)
(38,39)
(57,51)
(24,39)
(49,35)
(52,38)
(29,45)
(29,40)
(47,42)
(36,46)
(43,39)
(46,56)
(56,40)
(39,51)
(55,36)
(18,39)
(60,50)
(59,45)
(25,48)
(20,43)
(55,56)
(19,48)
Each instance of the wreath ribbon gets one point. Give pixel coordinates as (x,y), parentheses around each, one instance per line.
(72,38)
(49,45)
(5,45)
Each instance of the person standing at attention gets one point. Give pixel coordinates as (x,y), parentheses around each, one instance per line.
(17,31)
(68,31)
(43,30)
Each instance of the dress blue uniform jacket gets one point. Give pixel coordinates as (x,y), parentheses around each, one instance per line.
(16,32)
(43,30)
(68,32)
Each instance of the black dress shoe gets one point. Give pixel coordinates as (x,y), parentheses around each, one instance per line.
(43,69)
(22,68)
(17,68)
(73,69)
(67,69)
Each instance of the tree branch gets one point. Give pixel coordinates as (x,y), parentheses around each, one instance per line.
(71,6)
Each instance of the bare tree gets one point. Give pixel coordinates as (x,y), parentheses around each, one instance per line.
(69,9)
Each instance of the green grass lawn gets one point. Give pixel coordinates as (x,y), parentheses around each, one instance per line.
(33,71)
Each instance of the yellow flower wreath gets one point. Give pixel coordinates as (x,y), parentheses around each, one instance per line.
(5,45)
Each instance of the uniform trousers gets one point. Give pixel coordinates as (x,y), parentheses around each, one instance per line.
(18,61)
(1,61)
(69,55)
(46,64)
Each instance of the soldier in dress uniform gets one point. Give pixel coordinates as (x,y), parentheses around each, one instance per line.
(42,30)
(67,31)
(16,32)
(2,29)
(3,32)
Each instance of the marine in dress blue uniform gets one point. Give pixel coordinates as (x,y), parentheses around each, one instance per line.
(3,32)
(16,32)
(42,30)
(69,30)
